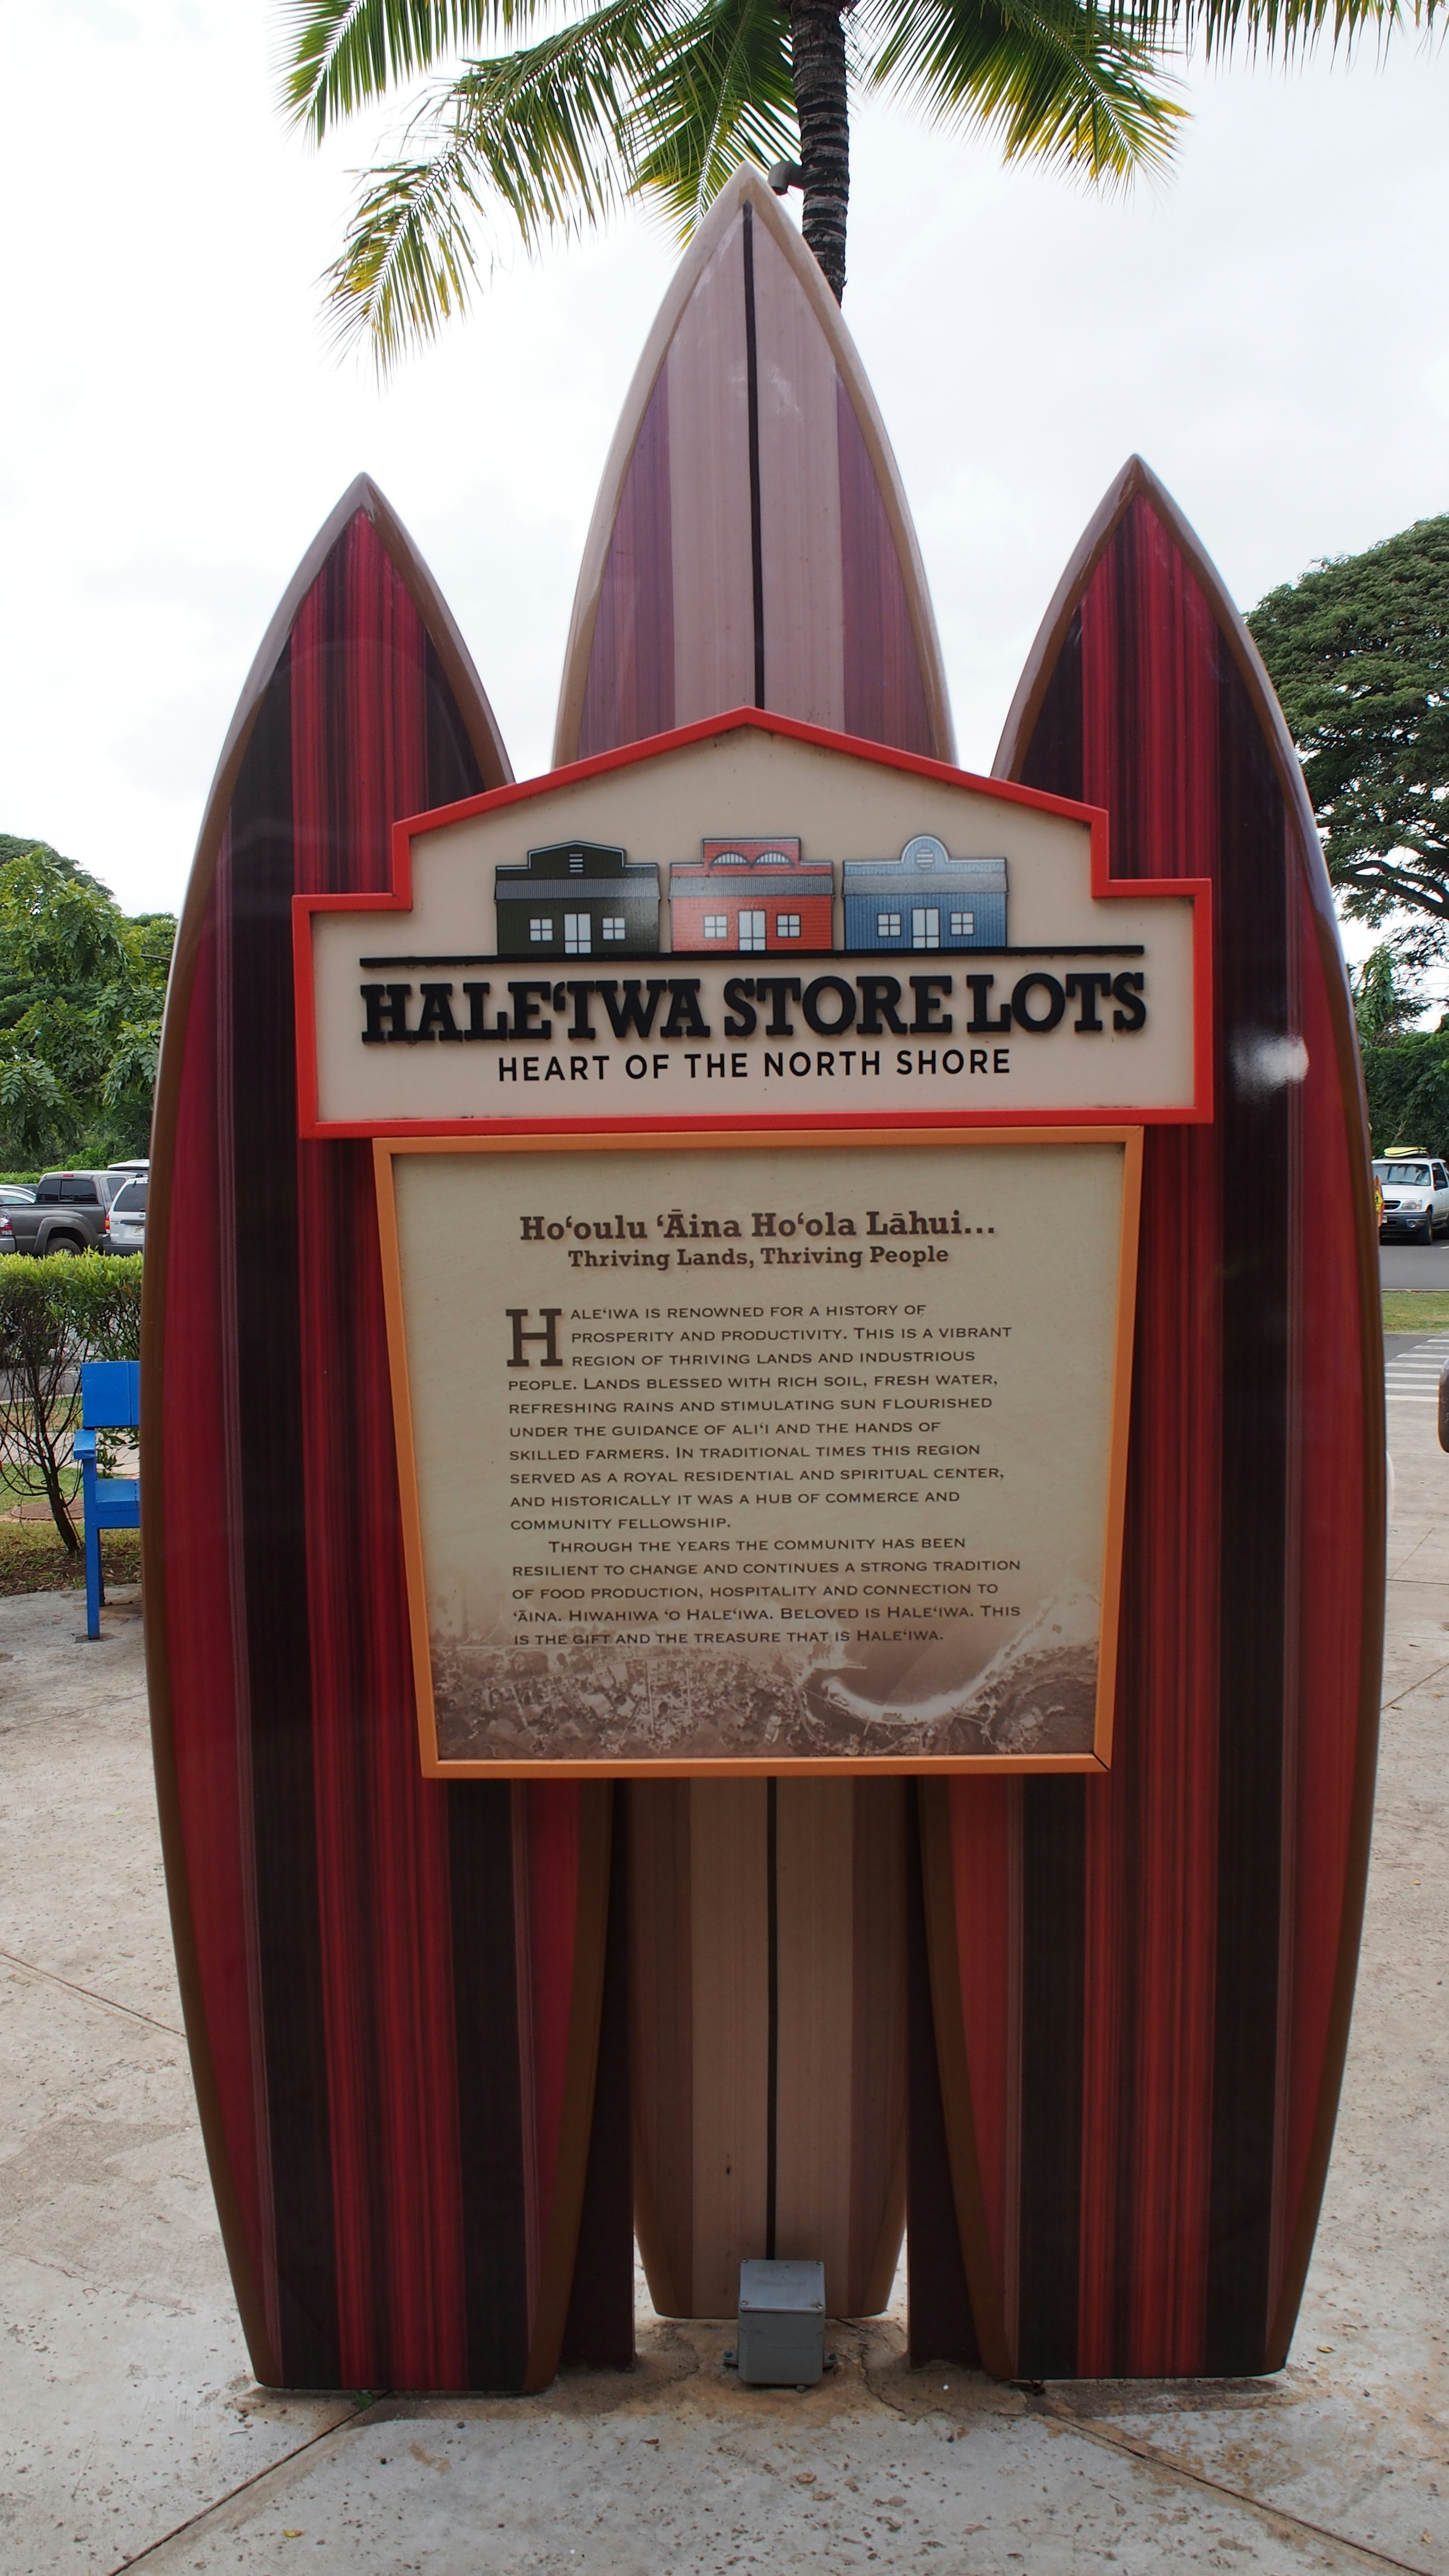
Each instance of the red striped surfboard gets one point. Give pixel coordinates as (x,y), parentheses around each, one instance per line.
(752,546)
(1142,1983)
(393,1989)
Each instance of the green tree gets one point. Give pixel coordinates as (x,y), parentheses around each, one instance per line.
(81,993)
(1408,1092)
(1384,1005)
(14,845)
(585,106)
(1358,651)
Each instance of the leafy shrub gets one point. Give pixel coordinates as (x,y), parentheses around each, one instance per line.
(53,1315)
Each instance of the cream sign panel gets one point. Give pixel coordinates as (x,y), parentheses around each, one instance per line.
(715,1455)
(755,923)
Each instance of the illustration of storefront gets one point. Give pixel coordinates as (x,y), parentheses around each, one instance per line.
(752,897)
(924,899)
(578,899)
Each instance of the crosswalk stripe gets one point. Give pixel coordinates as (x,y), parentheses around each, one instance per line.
(1412,1376)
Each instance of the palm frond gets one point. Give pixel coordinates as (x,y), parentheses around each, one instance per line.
(1056,80)
(546,133)
(552,126)
(340,55)
(1277,29)
(719,93)
(408,260)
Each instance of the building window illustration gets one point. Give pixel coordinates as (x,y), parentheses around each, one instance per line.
(728,898)
(576,896)
(935,900)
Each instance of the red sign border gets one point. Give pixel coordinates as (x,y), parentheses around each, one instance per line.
(1196,890)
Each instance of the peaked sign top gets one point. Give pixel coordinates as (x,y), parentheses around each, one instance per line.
(751,543)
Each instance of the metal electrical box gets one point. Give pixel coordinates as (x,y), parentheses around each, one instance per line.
(782,2324)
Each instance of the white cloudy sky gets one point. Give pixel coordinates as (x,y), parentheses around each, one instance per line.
(1268,329)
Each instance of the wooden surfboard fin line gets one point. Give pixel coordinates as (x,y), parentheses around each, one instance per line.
(581,2063)
(987,2292)
(1137,480)
(663,2287)
(748,186)
(893,2227)
(487,744)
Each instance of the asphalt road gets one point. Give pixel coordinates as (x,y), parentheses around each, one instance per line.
(1414,1265)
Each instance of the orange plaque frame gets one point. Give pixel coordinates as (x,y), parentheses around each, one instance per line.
(387,1148)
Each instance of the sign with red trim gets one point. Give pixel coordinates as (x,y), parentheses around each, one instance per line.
(751,922)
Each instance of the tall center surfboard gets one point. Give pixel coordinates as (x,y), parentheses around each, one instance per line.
(751,543)
(751,546)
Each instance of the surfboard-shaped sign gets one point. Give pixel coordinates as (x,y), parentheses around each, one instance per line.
(393,1989)
(1142,1982)
(751,544)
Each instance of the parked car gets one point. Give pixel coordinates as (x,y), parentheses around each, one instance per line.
(125,1226)
(67,1213)
(135,1170)
(1416,1194)
(12,1194)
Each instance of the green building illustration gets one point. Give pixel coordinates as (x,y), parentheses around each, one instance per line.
(578,899)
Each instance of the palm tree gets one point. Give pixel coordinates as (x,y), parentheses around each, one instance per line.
(576,110)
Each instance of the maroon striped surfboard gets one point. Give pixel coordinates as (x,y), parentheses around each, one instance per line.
(393,1988)
(751,545)
(1142,1983)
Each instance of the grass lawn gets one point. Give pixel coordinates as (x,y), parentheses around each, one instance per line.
(32,1558)
(1416,1310)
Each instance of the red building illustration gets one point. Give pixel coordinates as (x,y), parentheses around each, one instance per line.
(752,897)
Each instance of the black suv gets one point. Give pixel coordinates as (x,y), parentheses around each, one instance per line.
(68,1213)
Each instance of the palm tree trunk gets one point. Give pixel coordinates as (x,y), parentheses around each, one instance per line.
(822,109)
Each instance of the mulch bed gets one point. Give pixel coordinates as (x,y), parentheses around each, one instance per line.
(33,1559)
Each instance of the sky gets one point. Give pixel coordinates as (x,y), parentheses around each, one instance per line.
(1267,327)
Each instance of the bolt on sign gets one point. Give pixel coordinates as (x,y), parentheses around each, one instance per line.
(741,1420)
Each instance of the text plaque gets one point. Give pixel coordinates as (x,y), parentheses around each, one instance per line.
(797,1458)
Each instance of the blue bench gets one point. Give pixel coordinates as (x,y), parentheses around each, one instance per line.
(110,1401)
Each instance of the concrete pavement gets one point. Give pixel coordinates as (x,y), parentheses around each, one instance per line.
(133,2434)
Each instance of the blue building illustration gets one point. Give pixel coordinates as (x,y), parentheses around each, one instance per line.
(924,899)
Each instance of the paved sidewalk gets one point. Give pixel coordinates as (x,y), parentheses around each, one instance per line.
(133,2433)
